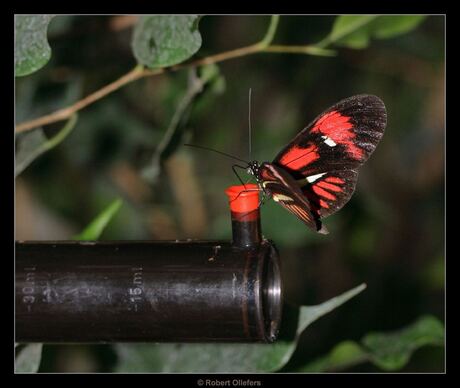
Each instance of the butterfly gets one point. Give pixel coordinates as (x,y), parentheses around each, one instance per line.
(315,174)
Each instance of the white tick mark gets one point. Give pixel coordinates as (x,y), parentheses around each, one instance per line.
(328,141)
(312,178)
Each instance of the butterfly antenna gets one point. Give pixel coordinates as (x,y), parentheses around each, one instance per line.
(250,126)
(216,151)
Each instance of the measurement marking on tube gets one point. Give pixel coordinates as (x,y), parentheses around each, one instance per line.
(29,288)
(215,253)
(136,292)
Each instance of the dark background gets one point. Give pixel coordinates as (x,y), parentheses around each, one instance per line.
(390,235)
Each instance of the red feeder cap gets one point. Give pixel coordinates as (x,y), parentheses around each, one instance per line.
(243,199)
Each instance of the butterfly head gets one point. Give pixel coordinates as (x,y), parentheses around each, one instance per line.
(254,169)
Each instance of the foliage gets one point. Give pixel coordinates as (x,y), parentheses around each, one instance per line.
(388,351)
(31,48)
(94,230)
(31,145)
(170,141)
(28,358)
(165,40)
(392,351)
(356,31)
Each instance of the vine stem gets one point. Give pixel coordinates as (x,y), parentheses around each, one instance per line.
(62,114)
(140,72)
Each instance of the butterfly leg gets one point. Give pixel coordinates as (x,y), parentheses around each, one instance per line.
(243,191)
(265,195)
(237,175)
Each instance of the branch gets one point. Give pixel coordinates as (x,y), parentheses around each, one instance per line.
(65,113)
(140,72)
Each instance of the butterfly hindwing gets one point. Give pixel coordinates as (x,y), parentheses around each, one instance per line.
(327,192)
(342,137)
(287,192)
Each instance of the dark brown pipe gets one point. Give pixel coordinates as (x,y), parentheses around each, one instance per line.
(146,291)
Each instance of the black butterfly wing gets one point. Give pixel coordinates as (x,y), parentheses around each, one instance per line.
(330,191)
(286,191)
(324,156)
(342,137)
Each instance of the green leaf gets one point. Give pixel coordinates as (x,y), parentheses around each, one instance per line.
(390,26)
(207,73)
(31,144)
(309,314)
(343,355)
(31,49)
(356,40)
(392,351)
(94,230)
(389,351)
(28,359)
(352,29)
(357,31)
(224,357)
(165,40)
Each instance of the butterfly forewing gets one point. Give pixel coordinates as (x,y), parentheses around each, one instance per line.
(342,137)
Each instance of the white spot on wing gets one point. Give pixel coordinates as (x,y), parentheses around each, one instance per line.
(281,197)
(329,141)
(265,183)
(312,178)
